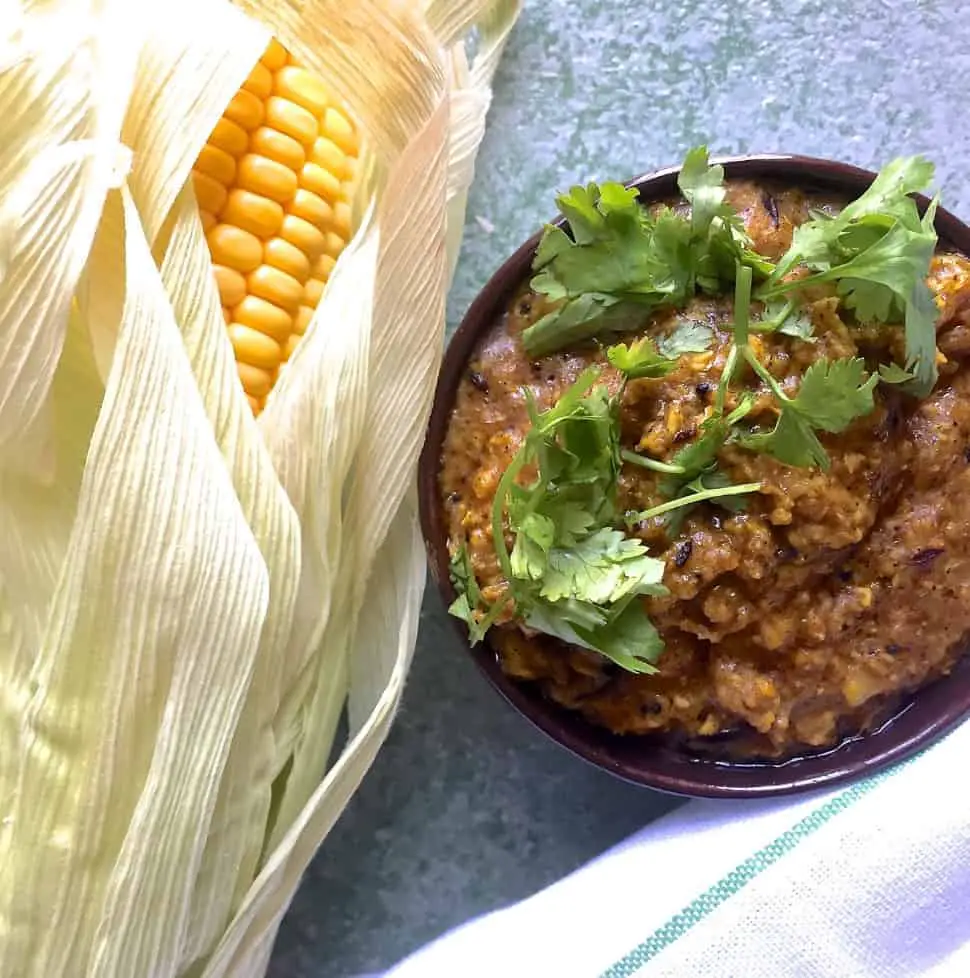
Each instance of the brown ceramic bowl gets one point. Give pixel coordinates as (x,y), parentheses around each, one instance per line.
(914,724)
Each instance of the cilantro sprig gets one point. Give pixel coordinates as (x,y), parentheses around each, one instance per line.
(833,393)
(570,573)
(878,251)
(618,263)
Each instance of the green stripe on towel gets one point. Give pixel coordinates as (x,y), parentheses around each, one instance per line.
(741,875)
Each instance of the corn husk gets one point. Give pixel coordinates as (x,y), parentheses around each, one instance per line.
(189,598)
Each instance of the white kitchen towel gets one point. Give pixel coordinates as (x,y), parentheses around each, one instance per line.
(866,881)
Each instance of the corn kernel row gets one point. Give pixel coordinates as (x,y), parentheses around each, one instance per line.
(274,185)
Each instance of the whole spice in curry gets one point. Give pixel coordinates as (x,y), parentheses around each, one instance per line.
(707,475)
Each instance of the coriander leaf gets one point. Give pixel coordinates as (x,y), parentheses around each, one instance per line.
(561,618)
(627,637)
(891,188)
(833,393)
(468,605)
(892,373)
(630,639)
(578,319)
(787,318)
(570,403)
(602,569)
(641,359)
(703,188)
(530,555)
(879,281)
(610,249)
(461,608)
(878,250)
(553,243)
(831,396)
(799,326)
(718,242)
(828,240)
(791,441)
(463,574)
(573,522)
(617,263)
(688,336)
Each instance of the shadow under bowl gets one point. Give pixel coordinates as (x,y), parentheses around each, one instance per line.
(657,762)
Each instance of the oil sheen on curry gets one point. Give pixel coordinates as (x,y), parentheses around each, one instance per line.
(794,617)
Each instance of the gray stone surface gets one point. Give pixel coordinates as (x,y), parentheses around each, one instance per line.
(468,808)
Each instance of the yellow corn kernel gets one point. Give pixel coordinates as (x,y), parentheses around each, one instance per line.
(290,346)
(323,266)
(277,287)
(266,177)
(256,381)
(231,285)
(255,348)
(334,245)
(246,110)
(264,316)
(327,153)
(260,81)
(313,291)
(308,238)
(276,145)
(208,220)
(256,405)
(275,56)
(317,180)
(252,212)
(341,219)
(339,129)
(303,316)
(311,208)
(216,163)
(229,137)
(302,87)
(292,119)
(235,248)
(287,258)
(209,194)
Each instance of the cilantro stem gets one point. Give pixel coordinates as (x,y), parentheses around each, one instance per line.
(762,371)
(502,493)
(742,304)
(782,287)
(730,364)
(698,497)
(652,463)
(742,308)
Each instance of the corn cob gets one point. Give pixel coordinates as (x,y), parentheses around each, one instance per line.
(274,184)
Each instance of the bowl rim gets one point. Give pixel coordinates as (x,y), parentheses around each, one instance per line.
(932,711)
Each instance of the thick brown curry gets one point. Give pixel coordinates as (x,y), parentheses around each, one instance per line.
(796,621)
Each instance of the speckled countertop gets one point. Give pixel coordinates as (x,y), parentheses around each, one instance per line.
(467,808)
